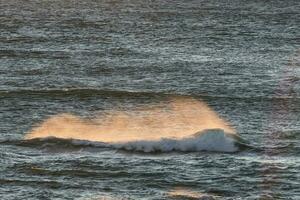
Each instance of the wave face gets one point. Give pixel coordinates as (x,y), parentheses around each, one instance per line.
(165,127)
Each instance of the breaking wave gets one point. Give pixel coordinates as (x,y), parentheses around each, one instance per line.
(181,124)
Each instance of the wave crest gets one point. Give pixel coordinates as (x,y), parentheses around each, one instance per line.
(212,140)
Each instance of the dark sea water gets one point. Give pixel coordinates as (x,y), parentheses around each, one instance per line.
(94,56)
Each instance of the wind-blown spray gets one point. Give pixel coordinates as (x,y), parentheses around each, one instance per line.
(177,121)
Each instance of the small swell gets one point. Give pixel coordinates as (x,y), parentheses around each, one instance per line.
(76,92)
(87,92)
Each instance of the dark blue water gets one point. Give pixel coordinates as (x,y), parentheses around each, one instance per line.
(89,57)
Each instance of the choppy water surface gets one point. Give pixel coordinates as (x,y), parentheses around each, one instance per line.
(77,62)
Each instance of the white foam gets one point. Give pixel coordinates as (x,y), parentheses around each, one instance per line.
(214,140)
(209,140)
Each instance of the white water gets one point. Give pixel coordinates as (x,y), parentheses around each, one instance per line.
(208,140)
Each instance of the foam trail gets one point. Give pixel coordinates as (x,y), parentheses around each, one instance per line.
(183,193)
(176,121)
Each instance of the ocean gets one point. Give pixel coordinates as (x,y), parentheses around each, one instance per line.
(109,99)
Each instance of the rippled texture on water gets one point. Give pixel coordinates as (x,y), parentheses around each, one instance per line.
(91,58)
